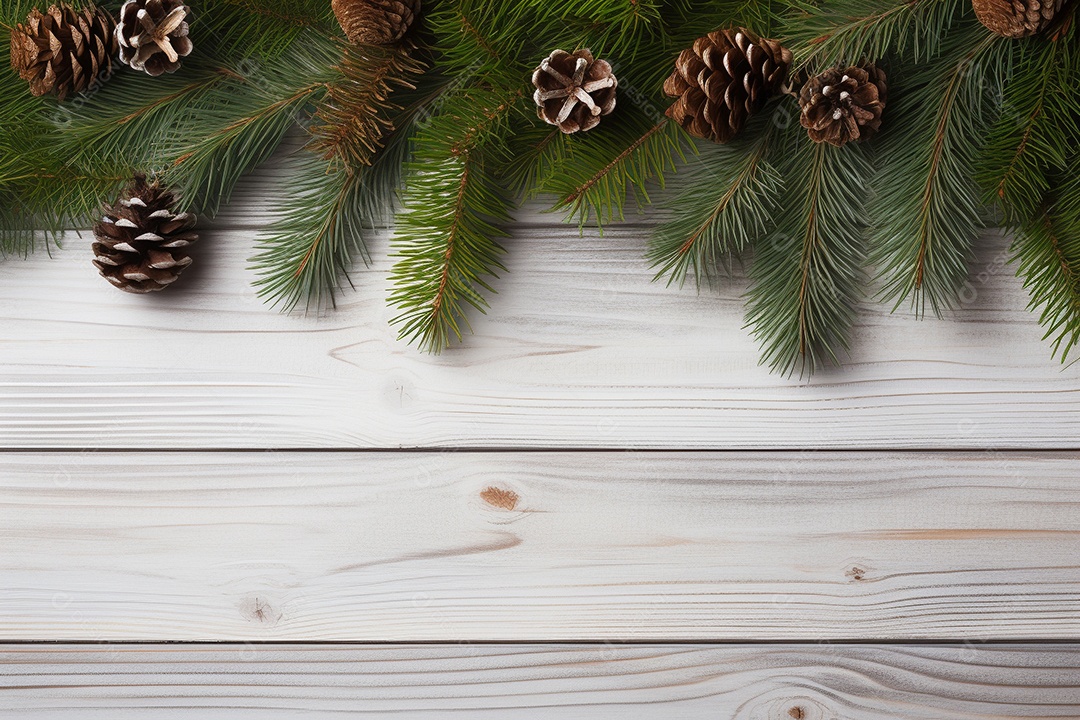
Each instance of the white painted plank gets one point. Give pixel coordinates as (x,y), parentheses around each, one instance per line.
(466,546)
(665,682)
(580,350)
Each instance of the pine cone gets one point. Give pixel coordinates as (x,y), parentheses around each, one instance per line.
(724,79)
(153,35)
(843,104)
(1016,18)
(375,22)
(63,51)
(141,243)
(573,90)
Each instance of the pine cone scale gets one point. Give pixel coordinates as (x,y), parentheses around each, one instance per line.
(375,22)
(842,105)
(139,242)
(722,80)
(574,90)
(63,51)
(1017,18)
(153,35)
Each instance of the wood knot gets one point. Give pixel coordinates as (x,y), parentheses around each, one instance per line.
(257,609)
(783,706)
(499,497)
(856,573)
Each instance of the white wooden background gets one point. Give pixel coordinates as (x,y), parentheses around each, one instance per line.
(598,507)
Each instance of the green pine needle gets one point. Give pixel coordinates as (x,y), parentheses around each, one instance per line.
(927,214)
(729,198)
(600,171)
(807,272)
(1048,252)
(852,31)
(1037,127)
(338,200)
(309,248)
(454,206)
(358,109)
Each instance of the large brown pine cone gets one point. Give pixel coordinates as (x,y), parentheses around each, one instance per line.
(573,90)
(842,105)
(1016,18)
(153,35)
(63,50)
(375,22)
(141,243)
(724,79)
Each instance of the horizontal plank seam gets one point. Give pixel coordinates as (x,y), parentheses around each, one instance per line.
(479,450)
(799,642)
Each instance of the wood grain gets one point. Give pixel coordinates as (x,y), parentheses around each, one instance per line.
(580,350)
(614,682)
(475,546)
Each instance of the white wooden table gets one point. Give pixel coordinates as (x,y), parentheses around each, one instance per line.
(599,507)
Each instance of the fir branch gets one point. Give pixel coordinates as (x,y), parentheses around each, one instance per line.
(129,118)
(310,246)
(302,13)
(42,190)
(446,239)
(927,213)
(538,151)
(354,116)
(234,30)
(851,31)
(1037,126)
(206,170)
(328,213)
(203,136)
(807,273)
(480,38)
(619,28)
(1047,249)
(729,199)
(601,170)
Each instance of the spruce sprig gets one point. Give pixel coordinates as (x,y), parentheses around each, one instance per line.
(454,209)
(344,190)
(311,244)
(807,272)
(358,108)
(600,171)
(1037,127)
(728,199)
(1047,250)
(853,31)
(927,212)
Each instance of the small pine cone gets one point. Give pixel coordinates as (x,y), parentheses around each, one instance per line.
(724,79)
(842,105)
(573,90)
(153,35)
(141,243)
(63,51)
(1016,18)
(375,22)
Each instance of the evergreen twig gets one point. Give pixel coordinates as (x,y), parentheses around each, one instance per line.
(446,239)
(1047,249)
(729,198)
(807,272)
(927,212)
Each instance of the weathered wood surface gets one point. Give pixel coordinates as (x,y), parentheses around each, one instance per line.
(580,349)
(616,682)
(510,546)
